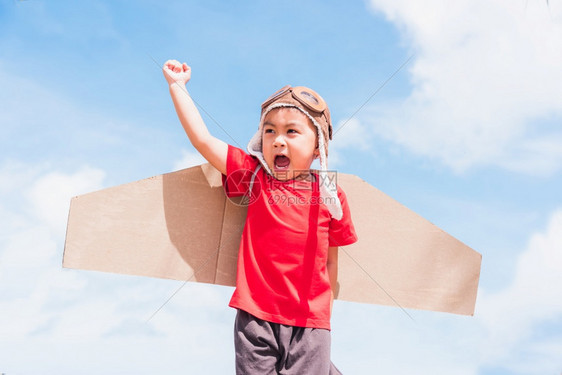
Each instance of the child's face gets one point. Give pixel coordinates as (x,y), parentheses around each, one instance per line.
(289,143)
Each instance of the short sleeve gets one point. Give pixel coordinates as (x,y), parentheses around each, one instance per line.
(240,168)
(342,232)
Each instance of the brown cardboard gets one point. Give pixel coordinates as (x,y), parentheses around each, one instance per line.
(181,226)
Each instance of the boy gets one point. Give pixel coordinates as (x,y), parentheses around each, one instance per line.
(297,218)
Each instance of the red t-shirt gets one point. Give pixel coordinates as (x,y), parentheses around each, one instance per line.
(282,275)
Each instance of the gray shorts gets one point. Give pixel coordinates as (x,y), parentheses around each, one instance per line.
(264,348)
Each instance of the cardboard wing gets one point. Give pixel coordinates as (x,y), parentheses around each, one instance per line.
(181,226)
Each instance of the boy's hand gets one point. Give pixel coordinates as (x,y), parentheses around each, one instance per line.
(211,148)
(176,72)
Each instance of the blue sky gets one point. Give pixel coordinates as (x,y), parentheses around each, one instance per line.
(468,134)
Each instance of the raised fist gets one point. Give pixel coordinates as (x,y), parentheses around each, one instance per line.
(176,72)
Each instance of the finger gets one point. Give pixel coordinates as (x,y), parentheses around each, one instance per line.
(172,63)
(168,69)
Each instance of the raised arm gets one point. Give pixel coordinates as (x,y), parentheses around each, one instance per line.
(210,147)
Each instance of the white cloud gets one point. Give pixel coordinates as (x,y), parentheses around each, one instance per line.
(517,329)
(30,272)
(46,310)
(486,83)
(81,312)
(351,134)
(522,322)
(50,195)
(533,299)
(189,159)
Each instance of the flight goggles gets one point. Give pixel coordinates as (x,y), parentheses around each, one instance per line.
(308,98)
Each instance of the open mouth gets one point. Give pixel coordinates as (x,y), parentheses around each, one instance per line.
(281,162)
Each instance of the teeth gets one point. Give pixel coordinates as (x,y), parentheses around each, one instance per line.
(281,162)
